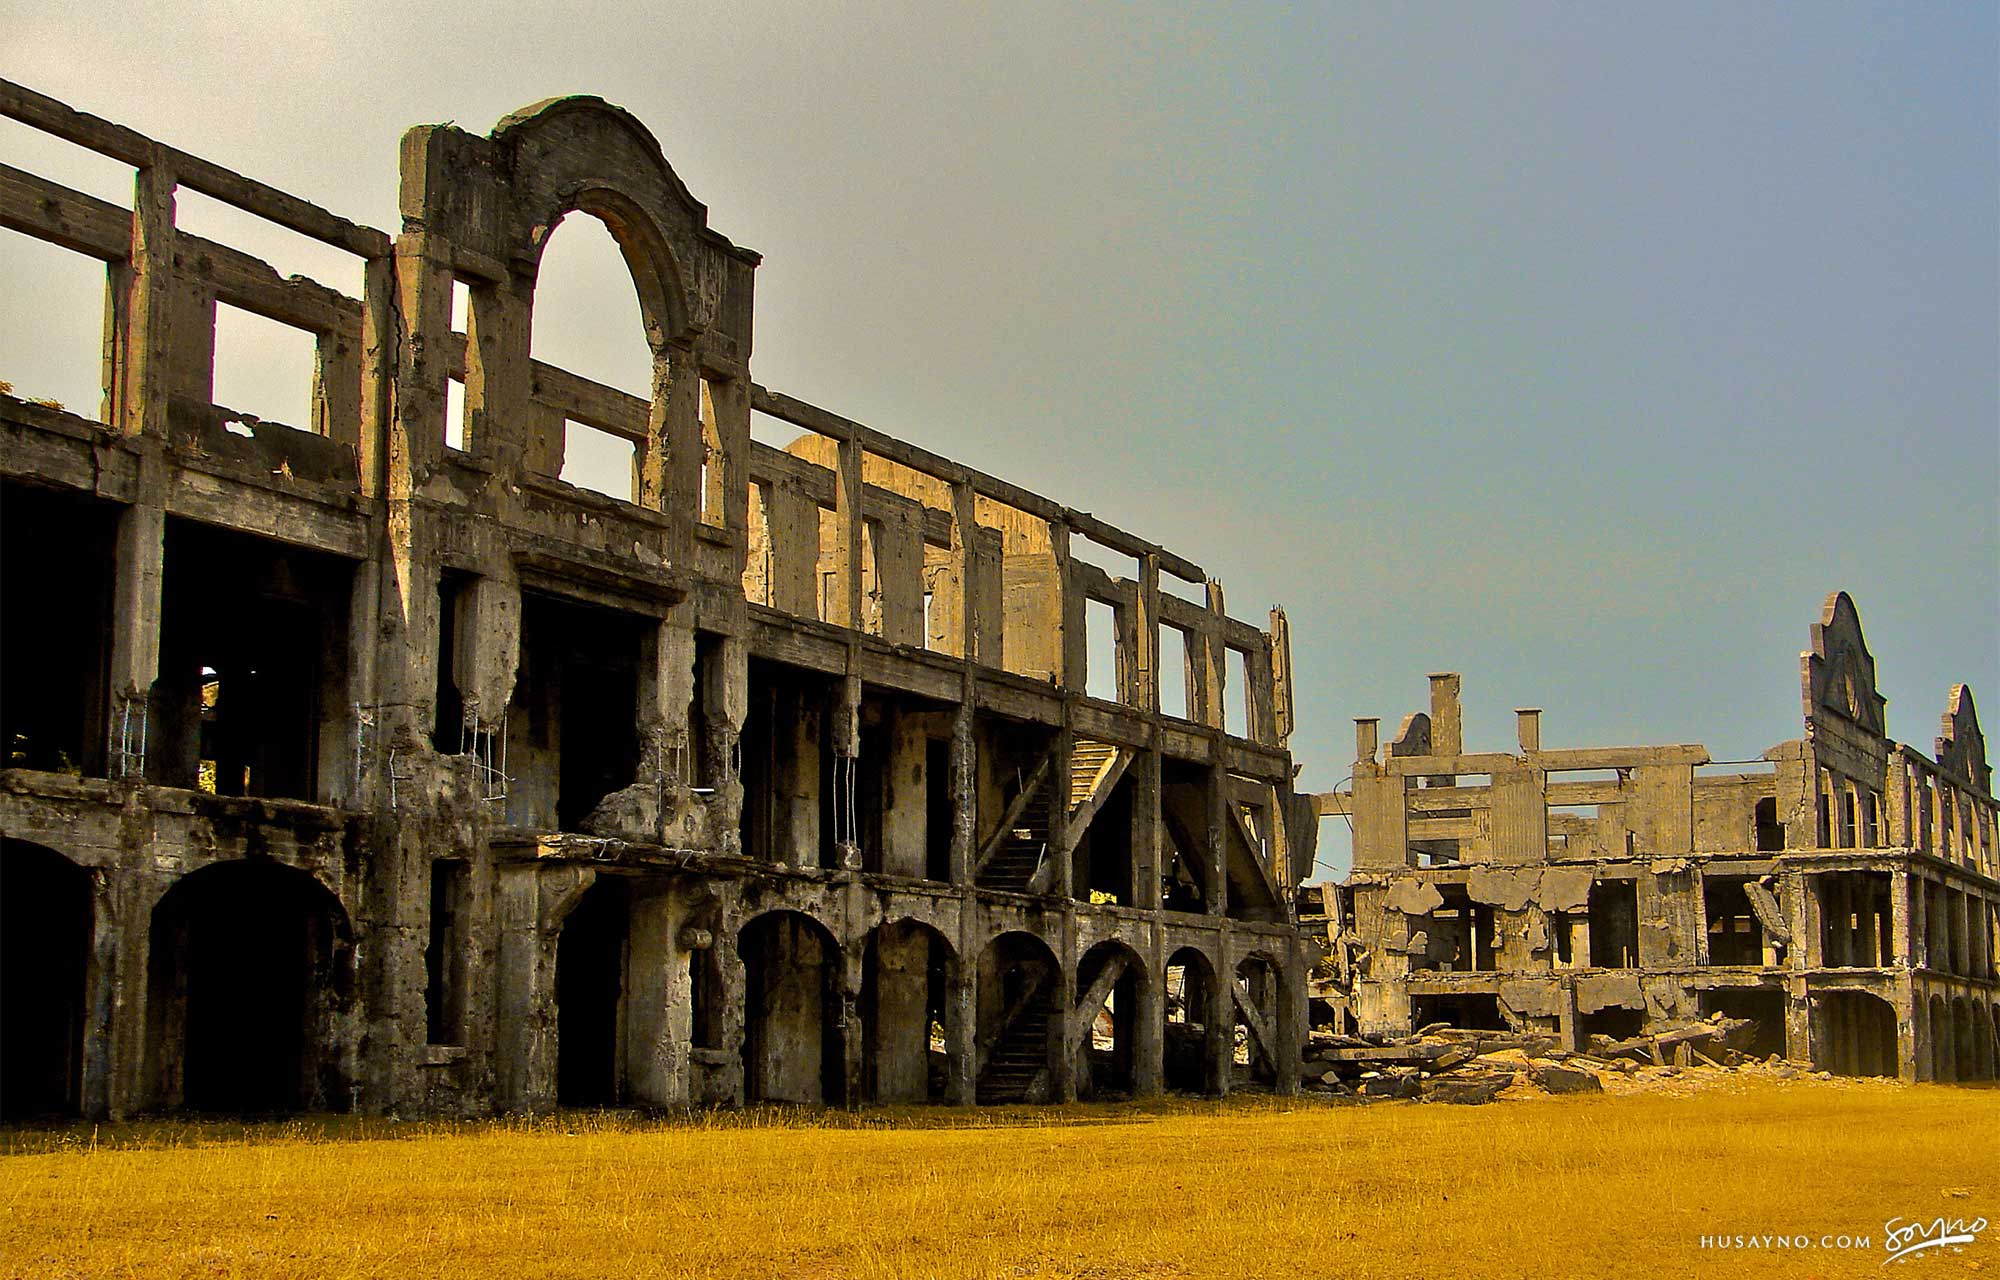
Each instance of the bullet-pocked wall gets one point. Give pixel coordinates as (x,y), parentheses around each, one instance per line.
(408,775)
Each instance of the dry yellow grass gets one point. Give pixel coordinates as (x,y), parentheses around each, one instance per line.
(1560,1187)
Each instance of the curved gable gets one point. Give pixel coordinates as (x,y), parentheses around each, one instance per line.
(1961,747)
(1839,675)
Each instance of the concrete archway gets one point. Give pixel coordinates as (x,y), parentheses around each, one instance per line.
(250,976)
(908,1014)
(794,1028)
(1943,1066)
(1191,1050)
(1858,1034)
(1258,1014)
(1113,991)
(1018,1011)
(46,918)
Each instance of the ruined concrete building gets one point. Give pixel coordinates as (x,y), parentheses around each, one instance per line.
(346,767)
(1841,891)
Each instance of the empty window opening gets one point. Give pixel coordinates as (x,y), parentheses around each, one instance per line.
(264,369)
(774,431)
(1825,815)
(599,461)
(454,414)
(444,954)
(1187,864)
(1173,674)
(1855,916)
(288,252)
(1765,1008)
(587,318)
(252,694)
(1847,827)
(1195,593)
(56,552)
(70,164)
(1770,832)
(1116,565)
(572,726)
(930,622)
(1735,935)
(1870,821)
(45,945)
(1468,1012)
(1458,936)
(705,998)
(1100,627)
(940,809)
(1236,699)
(448,726)
(250,978)
(714,491)
(52,328)
(1104,851)
(871,578)
(1613,1023)
(1614,924)
(590,997)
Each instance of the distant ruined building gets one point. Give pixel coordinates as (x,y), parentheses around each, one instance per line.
(346,767)
(1842,892)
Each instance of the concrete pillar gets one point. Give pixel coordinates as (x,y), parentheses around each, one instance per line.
(1528,728)
(1219,1019)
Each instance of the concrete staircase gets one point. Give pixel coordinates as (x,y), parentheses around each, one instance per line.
(1019,1063)
(1021,851)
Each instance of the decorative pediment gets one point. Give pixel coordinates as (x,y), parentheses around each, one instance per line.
(1839,671)
(1413,736)
(1961,747)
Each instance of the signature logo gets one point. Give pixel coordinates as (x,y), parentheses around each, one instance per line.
(1905,1239)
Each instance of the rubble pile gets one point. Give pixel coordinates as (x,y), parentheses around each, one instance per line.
(1442,1063)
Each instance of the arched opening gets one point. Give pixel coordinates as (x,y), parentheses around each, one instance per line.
(1190,996)
(1965,1037)
(907,1013)
(1942,1064)
(1111,985)
(793,1046)
(590,996)
(45,928)
(1017,987)
(1858,1034)
(587,320)
(1257,1001)
(250,972)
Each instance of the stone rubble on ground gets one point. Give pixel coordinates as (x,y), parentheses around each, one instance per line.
(1442,1063)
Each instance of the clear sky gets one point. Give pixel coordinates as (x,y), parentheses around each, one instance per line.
(1581,348)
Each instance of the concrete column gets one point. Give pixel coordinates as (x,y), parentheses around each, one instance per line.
(961,1026)
(135,628)
(844,609)
(1916,913)
(964,787)
(1219,1019)
(1148,829)
(1064,1050)
(1145,691)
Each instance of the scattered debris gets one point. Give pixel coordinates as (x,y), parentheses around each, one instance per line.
(1468,1067)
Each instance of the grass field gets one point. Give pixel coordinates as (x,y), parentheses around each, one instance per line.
(1554,1187)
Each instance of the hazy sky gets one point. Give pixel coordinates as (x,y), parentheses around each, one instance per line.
(1580,348)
